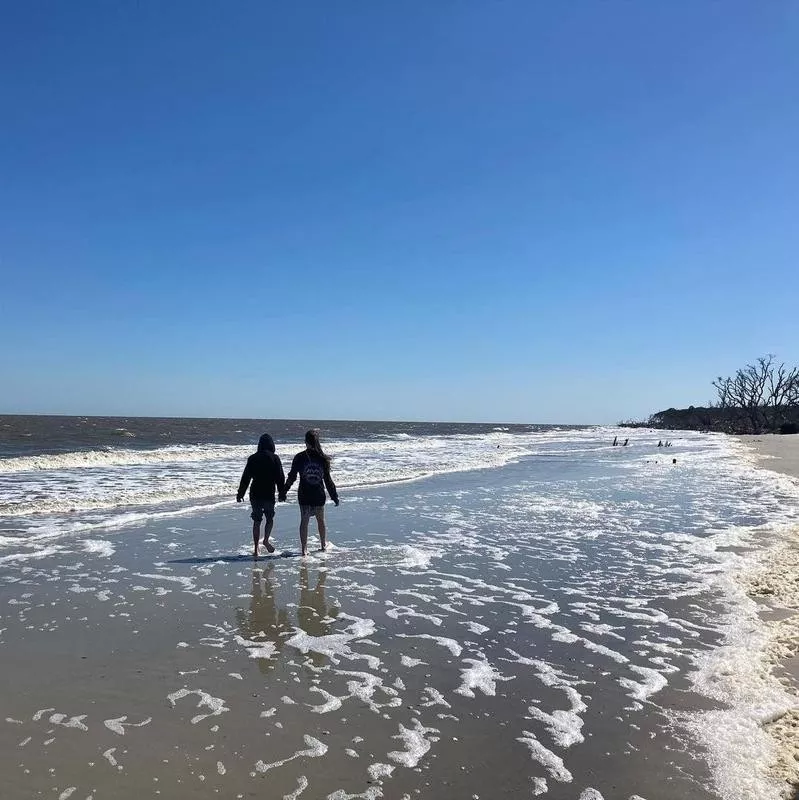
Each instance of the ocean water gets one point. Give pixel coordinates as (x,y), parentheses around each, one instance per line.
(574,608)
(61,475)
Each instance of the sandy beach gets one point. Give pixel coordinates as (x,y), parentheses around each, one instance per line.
(776,586)
(777,453)
(533,629)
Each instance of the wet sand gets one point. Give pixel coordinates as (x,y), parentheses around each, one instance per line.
(776,586)
(777,453)
(160,661)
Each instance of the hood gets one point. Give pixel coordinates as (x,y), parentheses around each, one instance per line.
(266,444)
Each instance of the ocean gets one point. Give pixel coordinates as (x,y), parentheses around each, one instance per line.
(506,610)
(60,475)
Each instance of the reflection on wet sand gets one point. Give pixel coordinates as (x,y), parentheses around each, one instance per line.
(265,620)
(314,615)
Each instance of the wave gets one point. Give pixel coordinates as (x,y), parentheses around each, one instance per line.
(120,456)
(104,480)
(88,486)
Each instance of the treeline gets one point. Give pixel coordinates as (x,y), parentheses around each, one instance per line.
(759,398)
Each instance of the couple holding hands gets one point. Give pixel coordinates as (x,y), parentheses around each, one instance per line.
(265,471)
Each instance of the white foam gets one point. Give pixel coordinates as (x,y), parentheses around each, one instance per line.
(186,583)
(476,627)
(377,772)
(302,785)
(540,786)
(72,722)
(364,687)
(216,705)
(416,741)
(257,649)
(564,726)
(332,702)
(480,675)
(552,763)
(337,645)
(436,698)
(100,482)
(451,645)
(99,547)
(395,612)
(118,725)
(652,683)
(314,749)
(372,793)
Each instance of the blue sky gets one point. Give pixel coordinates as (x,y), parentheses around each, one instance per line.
(504,211)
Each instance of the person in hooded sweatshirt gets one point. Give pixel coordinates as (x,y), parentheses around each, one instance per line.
(265,470)
(313,467)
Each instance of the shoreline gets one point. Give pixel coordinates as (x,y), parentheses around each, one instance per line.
(185,669)
(774,585)
(456,604)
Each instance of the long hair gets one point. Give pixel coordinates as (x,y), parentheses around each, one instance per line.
(313,444)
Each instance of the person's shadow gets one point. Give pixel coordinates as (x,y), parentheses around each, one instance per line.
(265,620)
(315,615)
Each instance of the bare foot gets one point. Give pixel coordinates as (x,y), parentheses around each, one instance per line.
(270,548)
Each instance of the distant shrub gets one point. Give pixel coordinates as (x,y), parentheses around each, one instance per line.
(789,427)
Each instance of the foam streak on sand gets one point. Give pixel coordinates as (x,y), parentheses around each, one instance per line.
(337,645)
(302,785)
(315,749)
(551,762)
(416,742)
(215,704)
(451,645)
(480,675)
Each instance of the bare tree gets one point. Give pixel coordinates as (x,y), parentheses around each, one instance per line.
(783,393)
(762,393)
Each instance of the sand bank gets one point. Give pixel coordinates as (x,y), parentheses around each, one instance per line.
(776,584)
(778,453)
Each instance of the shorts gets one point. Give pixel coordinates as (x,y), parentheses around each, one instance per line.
(260,507)
(306,512)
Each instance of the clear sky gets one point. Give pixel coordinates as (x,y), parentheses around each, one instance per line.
(450,209)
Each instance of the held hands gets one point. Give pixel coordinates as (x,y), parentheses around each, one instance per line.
(281,498)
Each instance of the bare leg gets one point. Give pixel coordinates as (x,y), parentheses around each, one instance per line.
(256,533)
(270,523)
(304,534)
(320,523)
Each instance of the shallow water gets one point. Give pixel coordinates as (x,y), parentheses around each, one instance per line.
(533,627)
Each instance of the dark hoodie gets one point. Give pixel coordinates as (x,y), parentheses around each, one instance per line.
(265,471)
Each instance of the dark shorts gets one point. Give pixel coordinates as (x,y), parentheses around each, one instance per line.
(262,506)
(306,512)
